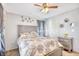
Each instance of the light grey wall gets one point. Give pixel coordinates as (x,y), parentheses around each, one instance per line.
(11,31)
(53,28)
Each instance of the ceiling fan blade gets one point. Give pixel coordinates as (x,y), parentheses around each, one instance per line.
(52,6)
(37,5)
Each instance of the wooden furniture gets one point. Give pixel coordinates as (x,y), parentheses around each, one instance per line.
(56,52)
(67,43)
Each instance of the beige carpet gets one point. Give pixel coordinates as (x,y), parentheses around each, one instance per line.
(65,53)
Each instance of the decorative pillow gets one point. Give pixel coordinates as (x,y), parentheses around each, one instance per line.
(25,35)
(33,34)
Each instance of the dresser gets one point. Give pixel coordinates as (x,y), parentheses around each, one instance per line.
(67,43)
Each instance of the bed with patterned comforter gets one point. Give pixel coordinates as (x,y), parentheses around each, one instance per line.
(36,46)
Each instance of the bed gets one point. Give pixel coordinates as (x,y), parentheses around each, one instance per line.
(30,44)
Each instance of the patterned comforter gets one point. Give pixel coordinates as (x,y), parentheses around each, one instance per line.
(37,46)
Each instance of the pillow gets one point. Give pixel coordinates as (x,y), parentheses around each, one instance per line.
(33,34)
(25,35)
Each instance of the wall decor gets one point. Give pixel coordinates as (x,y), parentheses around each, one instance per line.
(72,24)
(22,19)
(61,25)
(66,20)
(27,19)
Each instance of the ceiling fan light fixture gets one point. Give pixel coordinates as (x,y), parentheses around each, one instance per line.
(45,7)
(45,10)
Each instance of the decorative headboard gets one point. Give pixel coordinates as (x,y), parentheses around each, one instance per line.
(25,28)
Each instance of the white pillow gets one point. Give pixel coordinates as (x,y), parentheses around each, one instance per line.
(33,34)
(25,35)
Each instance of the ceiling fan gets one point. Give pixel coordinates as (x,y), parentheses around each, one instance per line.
(45,6)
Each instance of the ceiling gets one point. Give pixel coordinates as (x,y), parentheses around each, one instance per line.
(28,9)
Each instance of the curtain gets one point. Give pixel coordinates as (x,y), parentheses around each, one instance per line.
(41,28)
(2,48)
